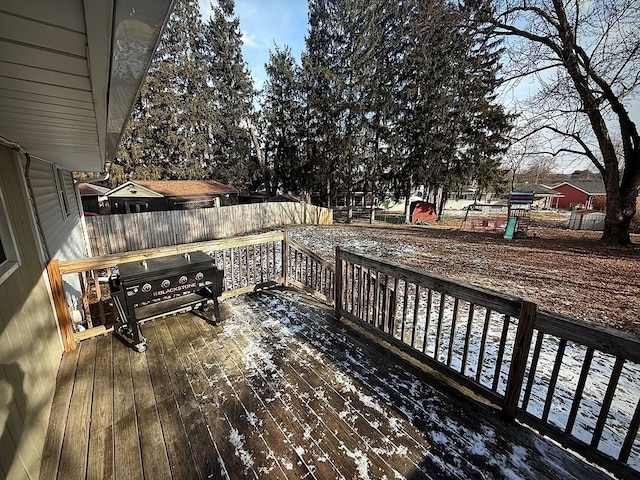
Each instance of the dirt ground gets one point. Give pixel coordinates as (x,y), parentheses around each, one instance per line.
(564,271)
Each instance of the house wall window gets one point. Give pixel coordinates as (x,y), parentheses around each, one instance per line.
(9,259)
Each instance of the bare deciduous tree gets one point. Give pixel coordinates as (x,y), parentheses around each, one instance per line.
(586,56)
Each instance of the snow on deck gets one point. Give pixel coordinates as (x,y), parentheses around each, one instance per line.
(281,390)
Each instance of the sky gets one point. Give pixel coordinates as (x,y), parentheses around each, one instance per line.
(265,24)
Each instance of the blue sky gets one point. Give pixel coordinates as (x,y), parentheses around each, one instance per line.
(265,24)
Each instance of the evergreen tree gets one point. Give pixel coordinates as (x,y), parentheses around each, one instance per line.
(165,135)
(283,114)
(230,101)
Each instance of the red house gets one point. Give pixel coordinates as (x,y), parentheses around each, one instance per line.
(589,195)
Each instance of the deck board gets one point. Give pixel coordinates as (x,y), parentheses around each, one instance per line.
(127,457)
(281,390)
(100,455)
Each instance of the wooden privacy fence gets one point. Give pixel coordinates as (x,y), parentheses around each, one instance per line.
(577,383)
(248,263)
(110,234)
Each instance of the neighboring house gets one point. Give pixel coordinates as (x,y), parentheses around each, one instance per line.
(544,197)
(583,195)
(137,196)
(71,70)
(93,198)
(468,196)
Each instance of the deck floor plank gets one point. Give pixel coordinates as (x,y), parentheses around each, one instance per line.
(73,459)
(314,461)
(190,413)
(127,458)
(333,437)
(398,443)
(250,431)
(155,460)
(260,418)
(219,410)
(59,415)
(280,391)
(356,435)
(100,462)
(174,434)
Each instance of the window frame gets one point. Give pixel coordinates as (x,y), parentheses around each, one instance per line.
(8,243)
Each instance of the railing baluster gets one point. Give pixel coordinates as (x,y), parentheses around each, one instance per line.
(483,343)
(630,439)
(416,305)
(577,398)
(442,306)
(405,302)
(553,380)
(427,321)
(606,402)
(452,336)
(376,301)
(503,341)
(532,371)
(393,306)
(467,338)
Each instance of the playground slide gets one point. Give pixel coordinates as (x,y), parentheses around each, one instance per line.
(510,228)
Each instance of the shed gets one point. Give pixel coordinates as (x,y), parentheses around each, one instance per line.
(93,197)
(423,212)
(587,220)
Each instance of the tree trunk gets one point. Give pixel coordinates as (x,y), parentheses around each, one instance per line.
(349,200)
(372,216)
(621,208)
(407,203)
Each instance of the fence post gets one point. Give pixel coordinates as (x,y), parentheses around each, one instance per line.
(285,257)
(519,357)
(60,302)
(338,284)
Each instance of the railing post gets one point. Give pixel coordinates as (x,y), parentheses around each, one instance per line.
(285,257)
(338,284)
(60,302)
(519,357)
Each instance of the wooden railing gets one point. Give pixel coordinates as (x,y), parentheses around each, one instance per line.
(308,271)
(576,382)
(249,263)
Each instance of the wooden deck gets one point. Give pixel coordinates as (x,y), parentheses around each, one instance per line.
(279,391)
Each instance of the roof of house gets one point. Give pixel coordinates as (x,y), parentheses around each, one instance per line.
(590,188)
(88,189)
(175,188)
(538,189)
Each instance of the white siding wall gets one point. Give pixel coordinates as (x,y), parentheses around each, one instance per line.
(63,233)
(30,348)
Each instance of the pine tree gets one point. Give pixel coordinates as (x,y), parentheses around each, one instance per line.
(230,102)
(165,135)
(283,114)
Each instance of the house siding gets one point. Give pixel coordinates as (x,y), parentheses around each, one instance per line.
(572,196)
(30,347)
(63,233)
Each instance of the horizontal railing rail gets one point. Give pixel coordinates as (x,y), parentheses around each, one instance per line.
(578,383)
